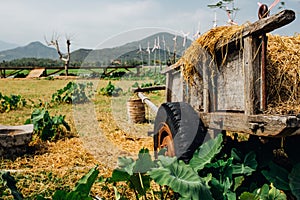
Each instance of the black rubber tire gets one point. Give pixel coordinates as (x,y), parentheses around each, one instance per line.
(187,129)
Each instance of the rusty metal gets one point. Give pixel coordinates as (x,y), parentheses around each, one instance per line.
(165,140)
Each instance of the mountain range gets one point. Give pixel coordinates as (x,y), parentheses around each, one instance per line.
(7,45)
(131,50)
(32,50)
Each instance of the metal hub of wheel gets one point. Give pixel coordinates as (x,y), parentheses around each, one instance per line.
(165,140)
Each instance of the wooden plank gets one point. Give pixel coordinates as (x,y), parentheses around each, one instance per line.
(230,83)
(259,125)
(261,26)
(251,75)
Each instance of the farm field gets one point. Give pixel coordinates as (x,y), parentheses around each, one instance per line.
(100,133)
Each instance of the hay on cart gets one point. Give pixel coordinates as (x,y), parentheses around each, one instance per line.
(283,65)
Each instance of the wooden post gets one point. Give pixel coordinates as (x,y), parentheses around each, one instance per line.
(252,75)
(264,44)
(205,88)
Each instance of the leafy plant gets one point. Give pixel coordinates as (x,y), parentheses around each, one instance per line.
(134,172)
(73,93)
(9,181)
(181,178)
(110,90)
(264,193)
(47,127)
(11,103)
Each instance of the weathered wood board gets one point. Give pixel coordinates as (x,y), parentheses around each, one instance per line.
(230,83)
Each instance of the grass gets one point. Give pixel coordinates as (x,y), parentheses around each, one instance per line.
(102,132)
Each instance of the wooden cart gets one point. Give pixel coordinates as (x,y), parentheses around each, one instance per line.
(233,99)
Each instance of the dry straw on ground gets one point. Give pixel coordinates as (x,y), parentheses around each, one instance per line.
(283,70)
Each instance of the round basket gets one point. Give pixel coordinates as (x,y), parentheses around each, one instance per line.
(136,110)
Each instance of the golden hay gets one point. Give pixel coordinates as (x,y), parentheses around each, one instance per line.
(283,59)
(206,42)
(283,73)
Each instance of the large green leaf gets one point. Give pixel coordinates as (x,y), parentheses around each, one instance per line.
(206,153)
(84,185)
(294,178)
(278,176)
(245,165)
(126,164)
(144,162)
(182,179)
(264,193)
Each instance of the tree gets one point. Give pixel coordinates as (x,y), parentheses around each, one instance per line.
(63,57)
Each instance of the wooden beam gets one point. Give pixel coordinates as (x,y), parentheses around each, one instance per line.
(259,125)
(149,89)
(261,26)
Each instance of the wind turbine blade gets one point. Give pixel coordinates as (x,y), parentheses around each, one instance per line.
(274,4)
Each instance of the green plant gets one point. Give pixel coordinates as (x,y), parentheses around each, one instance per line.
(110,90)
(9,181)
(73,93)
(47,127)
(11,103)
(134,172)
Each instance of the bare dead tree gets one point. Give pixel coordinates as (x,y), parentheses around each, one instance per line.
(65,57)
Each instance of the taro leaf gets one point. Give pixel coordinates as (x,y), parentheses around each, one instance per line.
(221,189)
(248,196)
(278,176)
(119,175)
(144,162)
(126,164)
(238,182)
(84,185)
(206,153)
(182,179)
(275,194)
(294,178)
(246,165)
(264,193)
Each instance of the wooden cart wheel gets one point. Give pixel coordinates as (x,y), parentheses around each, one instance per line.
(178,130)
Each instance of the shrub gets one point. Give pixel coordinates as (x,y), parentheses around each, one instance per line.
(48,127)
(110,90)
(11,103)
(73,93)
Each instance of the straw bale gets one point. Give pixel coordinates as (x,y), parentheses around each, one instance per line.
(283,74)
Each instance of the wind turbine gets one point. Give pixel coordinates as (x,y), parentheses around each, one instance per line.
(164,43)
(155,46)
(215,20)
(174,50)
(149,52)
(198,33)
(141,53)
(230,20)
(185,35)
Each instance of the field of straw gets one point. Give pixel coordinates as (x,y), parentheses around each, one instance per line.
(101,133)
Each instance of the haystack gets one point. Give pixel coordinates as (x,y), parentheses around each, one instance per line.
(283,65)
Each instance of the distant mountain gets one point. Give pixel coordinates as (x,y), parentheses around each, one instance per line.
(7,45)
(130,50)
(32,50)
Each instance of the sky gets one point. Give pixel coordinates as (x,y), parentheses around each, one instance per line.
(107,23)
